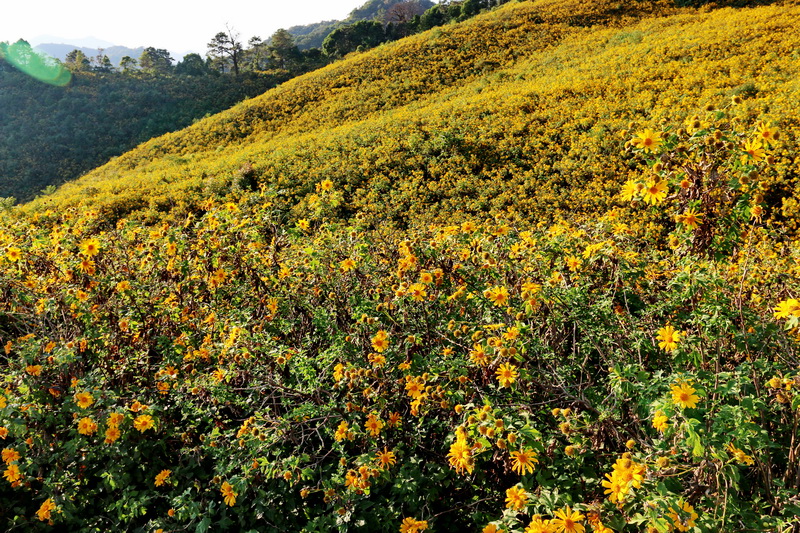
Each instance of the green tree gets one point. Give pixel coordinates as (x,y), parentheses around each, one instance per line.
(470,8)
(256,56)
(101,62)
(77,61)
(155,60)
(282,50)
(435,16)
(191,65)
(128,64)
(225,50)
(361,35)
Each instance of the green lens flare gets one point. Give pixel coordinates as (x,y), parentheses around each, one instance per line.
(35,64)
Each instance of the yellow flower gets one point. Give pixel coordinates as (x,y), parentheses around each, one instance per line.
(616,488)
(655,192)
(568,521)
(347,265)
(34,370)
(10,455)
(498,295)
(162,477)
(629,473)
(460,456)
(143,423)
(415,387)
(538,525)
(87,426)
(47,507)
(668,338)
(123,286)
(478,355)
(112,434)
(739,455)
(683,395)
(380,341)
(326,185)
(83,399)
(516,498)
(468,227)
(377,359)
(753,151)
(684,518)
(394,419)
(385,458)
(373,425)
(90,247)
(524,460)
(417,292)
(3,429)
(690,218)
(342,432)
(631,190)
(426,278)
(115,419)
(660,421)
(13,254)
(647,140)
(411,525)
(338,372)
(228,494)
(573,263)
(768,135)
(304,224)
(507,374)
(787,308)
(12,474)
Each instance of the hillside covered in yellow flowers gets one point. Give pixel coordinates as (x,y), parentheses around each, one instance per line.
(520,112)
(536,272)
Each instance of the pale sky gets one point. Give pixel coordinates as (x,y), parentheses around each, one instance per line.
(180,26)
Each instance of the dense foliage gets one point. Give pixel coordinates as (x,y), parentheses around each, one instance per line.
(390,11)
(50,135)
(467,281)
(238,371)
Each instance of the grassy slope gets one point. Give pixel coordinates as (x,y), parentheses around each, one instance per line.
(529,100)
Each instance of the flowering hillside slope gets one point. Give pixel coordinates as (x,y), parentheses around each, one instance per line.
(555,293)
(519,110)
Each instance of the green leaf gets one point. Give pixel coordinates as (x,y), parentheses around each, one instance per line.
(796,402)
(204,525)
(692,438)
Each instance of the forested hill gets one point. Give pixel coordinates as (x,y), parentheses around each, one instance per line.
(50,135)
(313,35)
(521,110)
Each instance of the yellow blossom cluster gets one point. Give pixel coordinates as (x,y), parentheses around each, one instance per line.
(383,324)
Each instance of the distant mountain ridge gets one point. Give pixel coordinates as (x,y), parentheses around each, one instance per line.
(114,53)
(82,42)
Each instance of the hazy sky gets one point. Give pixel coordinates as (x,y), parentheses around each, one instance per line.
(177,25)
